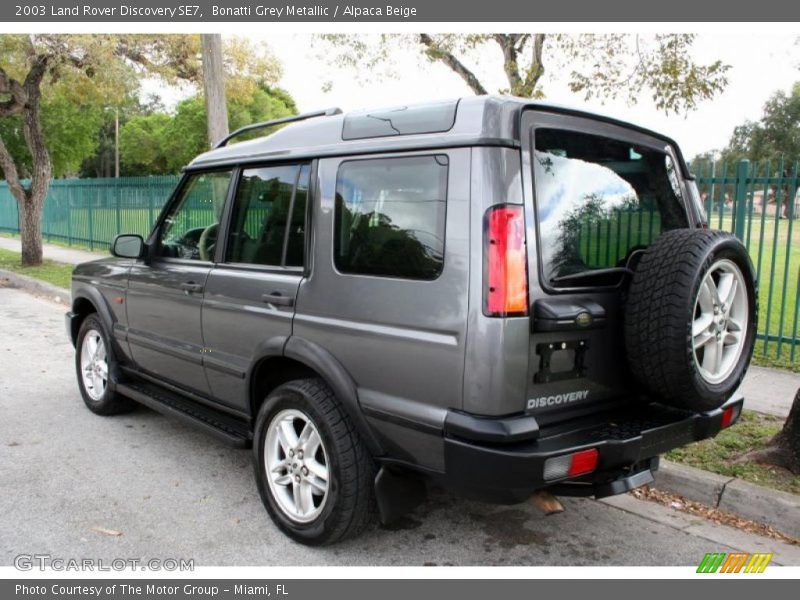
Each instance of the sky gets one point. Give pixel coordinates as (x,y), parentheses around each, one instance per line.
(760,65)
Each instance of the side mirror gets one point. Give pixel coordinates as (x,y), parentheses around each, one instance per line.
(128,245)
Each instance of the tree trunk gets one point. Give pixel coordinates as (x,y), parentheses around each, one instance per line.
(214,87)
(788,440)
(30,200)
(25,98)
(784,448)
(30,219)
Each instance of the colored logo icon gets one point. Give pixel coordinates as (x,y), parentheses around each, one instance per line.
(737,562)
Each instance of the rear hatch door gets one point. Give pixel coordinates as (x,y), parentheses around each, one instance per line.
(597,194)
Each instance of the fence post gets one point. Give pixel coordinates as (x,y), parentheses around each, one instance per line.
(91,224)
(46,213)
(69,216)
(740,198)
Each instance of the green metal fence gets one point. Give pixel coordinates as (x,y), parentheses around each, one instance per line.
(759,203)
(756,201)
(90,212)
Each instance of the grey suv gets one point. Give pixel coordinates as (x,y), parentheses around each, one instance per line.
(492,294)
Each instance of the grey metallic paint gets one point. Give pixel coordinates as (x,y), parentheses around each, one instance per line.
(399,354)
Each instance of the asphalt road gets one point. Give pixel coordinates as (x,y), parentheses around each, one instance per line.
(174,492)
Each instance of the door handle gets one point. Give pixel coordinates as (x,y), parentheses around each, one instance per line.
(192,287)
(278,299)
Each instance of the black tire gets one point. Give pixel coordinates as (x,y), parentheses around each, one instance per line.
(661,308)
(349,505)
(109,402)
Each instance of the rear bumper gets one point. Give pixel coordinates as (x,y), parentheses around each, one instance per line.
(628,442)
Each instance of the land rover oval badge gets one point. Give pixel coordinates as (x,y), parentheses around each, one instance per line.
(583,319)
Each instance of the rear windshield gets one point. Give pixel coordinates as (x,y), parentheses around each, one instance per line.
(598,200)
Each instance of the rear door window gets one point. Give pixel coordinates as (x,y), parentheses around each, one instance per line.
(390,216)
(598,200)
(268,220)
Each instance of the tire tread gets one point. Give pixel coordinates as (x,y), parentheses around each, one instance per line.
(658,317)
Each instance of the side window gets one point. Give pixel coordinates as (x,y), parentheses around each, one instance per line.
(296,236)
(190,229)
(268,222)
(390,216)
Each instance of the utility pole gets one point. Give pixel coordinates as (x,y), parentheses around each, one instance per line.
(214,87)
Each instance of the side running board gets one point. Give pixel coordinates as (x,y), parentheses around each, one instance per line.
(225,427)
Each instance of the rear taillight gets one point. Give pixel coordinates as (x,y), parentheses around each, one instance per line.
(506,267)
(571,465)
(730,415)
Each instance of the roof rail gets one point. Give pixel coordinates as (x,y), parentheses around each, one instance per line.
(328,112)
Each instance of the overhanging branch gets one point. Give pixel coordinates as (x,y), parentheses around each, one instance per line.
(436,52)
(11,174)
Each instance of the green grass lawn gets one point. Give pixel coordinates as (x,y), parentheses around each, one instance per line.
(50,271)
(752,432)
(99,248)
(776,258)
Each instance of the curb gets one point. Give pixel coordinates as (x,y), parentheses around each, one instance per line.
(780,510)
(36,286)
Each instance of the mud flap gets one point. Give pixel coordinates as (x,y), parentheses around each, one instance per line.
(397,494)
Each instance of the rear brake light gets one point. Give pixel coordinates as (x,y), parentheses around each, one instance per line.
(729,416)
(506,267)
(571,465)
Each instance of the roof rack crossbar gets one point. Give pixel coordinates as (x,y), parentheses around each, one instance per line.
(328,112)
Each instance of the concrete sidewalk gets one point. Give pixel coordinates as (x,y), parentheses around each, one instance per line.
(53,252)
(770,391)
(765,390)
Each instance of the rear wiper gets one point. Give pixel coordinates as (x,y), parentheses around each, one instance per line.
(592,274)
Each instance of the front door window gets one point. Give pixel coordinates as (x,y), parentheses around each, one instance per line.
(190,229)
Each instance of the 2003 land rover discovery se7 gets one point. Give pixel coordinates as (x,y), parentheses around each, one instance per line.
(496,295)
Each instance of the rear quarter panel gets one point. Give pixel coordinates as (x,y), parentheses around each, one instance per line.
(401,340)
(496,364)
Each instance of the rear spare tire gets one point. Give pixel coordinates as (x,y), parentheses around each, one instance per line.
(690,318)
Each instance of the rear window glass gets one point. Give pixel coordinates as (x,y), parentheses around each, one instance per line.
(390,216)
(598,200)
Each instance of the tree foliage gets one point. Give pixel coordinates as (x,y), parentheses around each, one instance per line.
(41,75)
(79,79)
(70,129)
(89,77)
(596,66)
(53,89)
(774,136)
(159,143)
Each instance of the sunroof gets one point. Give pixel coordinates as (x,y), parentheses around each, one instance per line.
(402,120)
